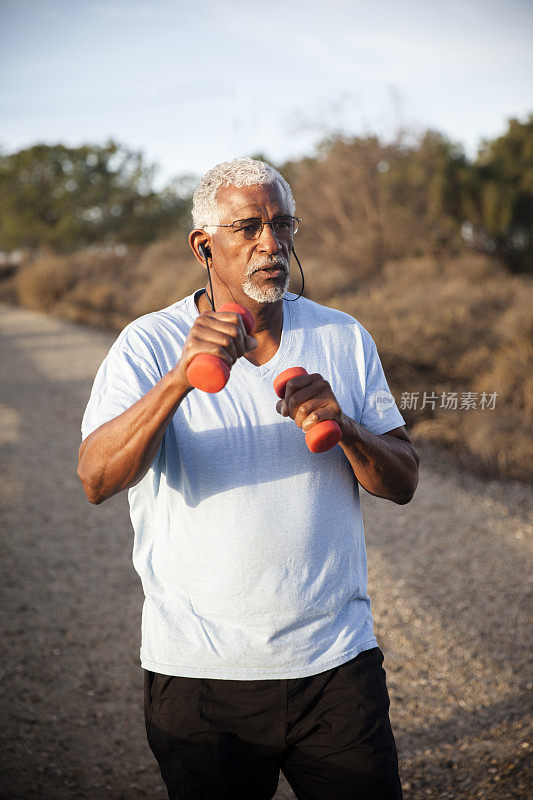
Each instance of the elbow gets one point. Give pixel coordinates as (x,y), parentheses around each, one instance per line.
(95,499)
(404,499)
(93,495)
(407,496)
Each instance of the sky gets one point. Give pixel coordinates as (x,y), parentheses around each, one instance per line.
(191,84)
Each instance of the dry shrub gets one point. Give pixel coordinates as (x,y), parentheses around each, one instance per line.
(98,297)
(364,202)
(341,224)
(322,277)
(41,283)
(459,326)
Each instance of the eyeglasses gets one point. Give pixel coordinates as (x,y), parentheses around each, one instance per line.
(282,227)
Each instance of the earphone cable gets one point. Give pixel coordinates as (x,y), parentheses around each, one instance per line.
(292,299)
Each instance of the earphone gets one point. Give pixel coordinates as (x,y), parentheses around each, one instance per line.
(204,252)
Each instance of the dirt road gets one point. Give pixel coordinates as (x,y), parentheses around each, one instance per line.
(448,577)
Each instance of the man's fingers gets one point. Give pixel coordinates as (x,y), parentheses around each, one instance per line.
(294,401)
(281,408)
(226,328)
(306,397)
(308,409)
(310,420)
(233,317)
(242,340)
(297,383)
(298,390)
(308,414)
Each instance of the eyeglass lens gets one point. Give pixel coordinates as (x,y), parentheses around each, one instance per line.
(284,228)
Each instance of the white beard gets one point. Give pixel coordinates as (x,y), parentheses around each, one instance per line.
(271,291)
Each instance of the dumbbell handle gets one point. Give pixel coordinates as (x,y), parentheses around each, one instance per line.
(210,373)
(322,436)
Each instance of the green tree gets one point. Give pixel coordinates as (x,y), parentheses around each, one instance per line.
(69,197)
(504,181)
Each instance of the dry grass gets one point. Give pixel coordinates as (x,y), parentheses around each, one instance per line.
(456,324)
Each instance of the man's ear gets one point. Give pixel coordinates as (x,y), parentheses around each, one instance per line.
(199,243)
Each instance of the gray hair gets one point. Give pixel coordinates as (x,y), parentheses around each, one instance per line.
(239,172)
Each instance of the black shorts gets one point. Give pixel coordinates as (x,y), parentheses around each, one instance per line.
(329,733)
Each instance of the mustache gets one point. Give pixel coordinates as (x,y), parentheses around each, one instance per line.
(264,262)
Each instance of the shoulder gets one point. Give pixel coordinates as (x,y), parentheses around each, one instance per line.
(148,330)
(147,344)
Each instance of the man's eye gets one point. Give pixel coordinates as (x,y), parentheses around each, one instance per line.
(249,228)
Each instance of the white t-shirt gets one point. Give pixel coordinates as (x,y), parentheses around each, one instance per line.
(250,548)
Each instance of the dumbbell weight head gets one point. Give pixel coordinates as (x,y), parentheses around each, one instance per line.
(322,436)
(284,377)
(210,373)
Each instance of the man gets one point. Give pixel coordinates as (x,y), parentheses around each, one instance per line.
(257,634)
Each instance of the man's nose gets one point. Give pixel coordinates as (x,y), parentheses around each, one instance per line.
(268,242)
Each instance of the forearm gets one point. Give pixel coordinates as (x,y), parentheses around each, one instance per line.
(384,465)
(119,453)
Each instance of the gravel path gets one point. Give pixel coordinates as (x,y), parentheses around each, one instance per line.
(448,577)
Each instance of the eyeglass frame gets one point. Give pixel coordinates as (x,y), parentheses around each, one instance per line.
(258,219)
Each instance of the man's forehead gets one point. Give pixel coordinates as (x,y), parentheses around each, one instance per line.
(249,201)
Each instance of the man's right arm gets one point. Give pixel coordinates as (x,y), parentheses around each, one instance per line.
(118,454)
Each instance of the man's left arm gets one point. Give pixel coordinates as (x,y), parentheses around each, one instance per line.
(386,464)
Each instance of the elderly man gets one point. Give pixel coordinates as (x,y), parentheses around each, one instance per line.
(258,646)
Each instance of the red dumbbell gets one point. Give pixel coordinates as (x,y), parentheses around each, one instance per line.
(322,436)
(210,373)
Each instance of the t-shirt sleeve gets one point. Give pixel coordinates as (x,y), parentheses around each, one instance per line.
(122,379)
(380,412)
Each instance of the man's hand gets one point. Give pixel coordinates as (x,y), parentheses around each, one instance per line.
(309,399)
(385,465)
(219,333)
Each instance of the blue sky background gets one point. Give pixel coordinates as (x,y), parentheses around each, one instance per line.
(195,83)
